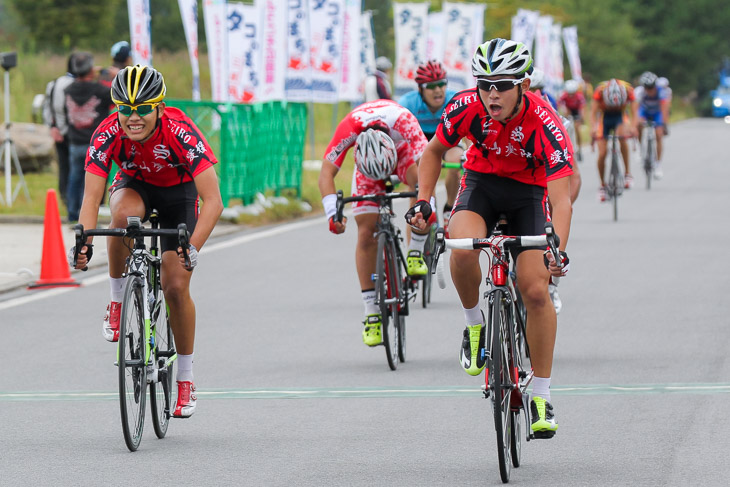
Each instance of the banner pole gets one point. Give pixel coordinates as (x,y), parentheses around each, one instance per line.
(312,150)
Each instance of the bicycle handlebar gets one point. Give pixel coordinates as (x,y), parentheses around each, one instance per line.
(377,198)
(134,230)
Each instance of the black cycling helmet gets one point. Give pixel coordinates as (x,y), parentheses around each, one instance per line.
(138,84)
(81,63)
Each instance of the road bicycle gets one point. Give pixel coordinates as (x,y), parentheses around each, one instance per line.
(648,151)
(508,372)
(394,288)
(615,186)
(146,350)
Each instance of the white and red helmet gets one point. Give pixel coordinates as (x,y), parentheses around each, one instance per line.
(375,154)
(614,94)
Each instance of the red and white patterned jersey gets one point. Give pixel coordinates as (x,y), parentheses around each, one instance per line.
(532,147)
(404,130)
(175,154)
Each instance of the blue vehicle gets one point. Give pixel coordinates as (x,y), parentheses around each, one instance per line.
(721,95)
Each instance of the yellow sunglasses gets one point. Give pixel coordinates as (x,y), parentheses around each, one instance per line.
(141,109)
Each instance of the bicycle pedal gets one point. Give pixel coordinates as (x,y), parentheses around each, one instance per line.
(542,435)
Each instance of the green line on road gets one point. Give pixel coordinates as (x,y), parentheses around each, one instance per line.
(379,392)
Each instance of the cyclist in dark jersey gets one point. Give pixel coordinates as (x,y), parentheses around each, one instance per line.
(520,155)
(165,164)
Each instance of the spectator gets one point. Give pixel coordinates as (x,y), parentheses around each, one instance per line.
(377,85)
(87,104)
(54,115)
(121,58)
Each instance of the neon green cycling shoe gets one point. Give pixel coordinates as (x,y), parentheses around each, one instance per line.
(470,356)
(416,265)
(371,334)
(543,419)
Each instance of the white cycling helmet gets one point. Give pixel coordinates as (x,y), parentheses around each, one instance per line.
(648,79)
(571,86)
(375,154)
(662,82)
(614,94)
(383,64)
(537,79)
(501,56)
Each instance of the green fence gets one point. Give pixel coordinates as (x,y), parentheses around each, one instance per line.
(259,147)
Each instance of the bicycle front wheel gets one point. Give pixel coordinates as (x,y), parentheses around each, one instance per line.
(388,297)
(163,354)
(131,362)
(649,161)
(501,382)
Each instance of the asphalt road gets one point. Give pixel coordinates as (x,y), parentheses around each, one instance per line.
(289,395)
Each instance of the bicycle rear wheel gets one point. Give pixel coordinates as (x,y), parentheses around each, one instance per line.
(614,183)
(500,382)
(162,391)
(131,362)
(388,282)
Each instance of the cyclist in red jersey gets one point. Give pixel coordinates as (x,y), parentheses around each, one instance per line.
(387,140)
(612,100)
(520,154)
(572,102)
(166,164)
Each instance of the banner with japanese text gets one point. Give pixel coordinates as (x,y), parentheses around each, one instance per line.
(298,82)
(367,44)
(189,16)
(140,34)
(435,39)
(411,32)
(464,28)
(542,53)
(570,39)
(216,35)
(243,52)
(555,75)
(524,27)
(326,19)
(351,84)
(274,17)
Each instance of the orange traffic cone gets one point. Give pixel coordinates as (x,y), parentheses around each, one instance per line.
(54,268)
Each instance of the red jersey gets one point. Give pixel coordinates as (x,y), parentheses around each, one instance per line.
(574,102)
(532,147)
(404,130)
(174,154)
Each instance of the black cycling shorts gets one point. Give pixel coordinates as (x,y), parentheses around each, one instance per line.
(525,205)
(174,204)
(611,121)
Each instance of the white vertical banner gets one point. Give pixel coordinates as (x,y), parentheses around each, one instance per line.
(524,27)
(351,83)
(555,78)
(274,15)
(543,50)
(367,43)
(435,40)
(139,29)
(244,52)
(216,35)
(411,32)
(298,82)
(189,16)
(462,24)
(570,39)
(327,18)
(236,54)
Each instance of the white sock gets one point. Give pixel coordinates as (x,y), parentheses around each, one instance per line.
(368,300)
(473,316)
(541,387)
(117,288)
(418,241)
(184,367)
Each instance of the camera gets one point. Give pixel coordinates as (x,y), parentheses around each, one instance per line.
(8,59)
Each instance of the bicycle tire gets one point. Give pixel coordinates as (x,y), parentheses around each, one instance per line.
(500,382)
(649,160)
(428,254)
(614,180)
(162,392)
(131,363)
(388,294)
